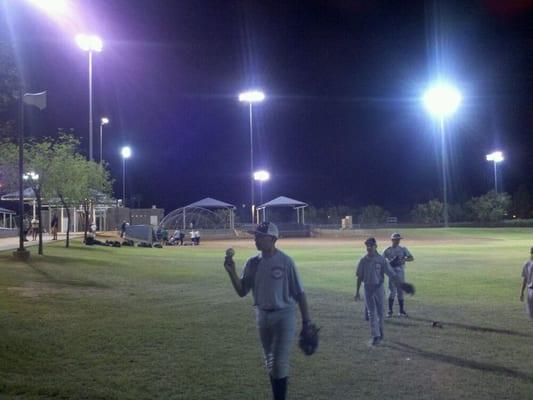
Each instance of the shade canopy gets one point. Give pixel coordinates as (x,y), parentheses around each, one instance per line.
(283,201)
(209,202)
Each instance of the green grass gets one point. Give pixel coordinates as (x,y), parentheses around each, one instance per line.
(133,323)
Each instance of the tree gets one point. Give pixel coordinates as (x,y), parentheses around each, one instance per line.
(490,207)
(373,214)
(428,213)
(522,202)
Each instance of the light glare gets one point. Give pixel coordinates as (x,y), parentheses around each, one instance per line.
(496,156)
(442,100)
(89,42)
(262,176)
(252,96)
(126,152)
(105,121)
(52,7)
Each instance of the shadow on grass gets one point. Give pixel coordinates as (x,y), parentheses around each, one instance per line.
(463,362)
(474,328)
(68,282)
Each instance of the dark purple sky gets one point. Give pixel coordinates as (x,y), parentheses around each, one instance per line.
(342,122)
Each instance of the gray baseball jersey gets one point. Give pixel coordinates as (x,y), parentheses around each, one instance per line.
(372,270)
(398,251)
(527,273)
(274,282)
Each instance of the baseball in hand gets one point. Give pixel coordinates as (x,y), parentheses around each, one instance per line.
(230,252)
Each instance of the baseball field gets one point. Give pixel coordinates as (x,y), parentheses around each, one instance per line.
(137,323)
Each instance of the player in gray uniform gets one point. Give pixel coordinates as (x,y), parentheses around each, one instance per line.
(371,271)
(397,256)
(527,274)
(276,289)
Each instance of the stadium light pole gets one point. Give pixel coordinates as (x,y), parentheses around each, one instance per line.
(126,153)
(251,97)
(103,121)
(441,100)
(261,176)
(496,157)
(90,44)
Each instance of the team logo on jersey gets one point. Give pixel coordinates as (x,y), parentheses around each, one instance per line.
(277,272)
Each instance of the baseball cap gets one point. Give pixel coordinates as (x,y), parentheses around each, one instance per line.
(371,241)
(396,236)
(266,228)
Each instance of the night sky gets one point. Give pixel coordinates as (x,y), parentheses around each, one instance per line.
(342,123)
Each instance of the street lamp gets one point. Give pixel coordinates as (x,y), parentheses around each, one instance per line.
(103,121)
(441,101)
(261,176)
(90,43)
(251,97)
(126,153)
(496,157)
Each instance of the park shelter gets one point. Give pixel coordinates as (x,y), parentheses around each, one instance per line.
(207,213)
(283,201)
(7,219)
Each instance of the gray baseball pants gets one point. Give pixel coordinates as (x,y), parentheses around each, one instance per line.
(374,295)
(529,302)
(276,331)
(393,289)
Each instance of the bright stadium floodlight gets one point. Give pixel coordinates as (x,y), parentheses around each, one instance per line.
(442,100)
(126,153)
(103,121)
(251,97)
(496,157)
(261,176)
(89,42)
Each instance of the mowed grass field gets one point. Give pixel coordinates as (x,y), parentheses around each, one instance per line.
(137,323)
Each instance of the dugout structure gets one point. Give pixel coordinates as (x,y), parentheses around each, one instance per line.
(205,214)
(296,228)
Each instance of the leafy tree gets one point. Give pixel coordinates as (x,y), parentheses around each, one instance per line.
(490,207)
(373,214)
(522,206)
(9,85)
(428,213)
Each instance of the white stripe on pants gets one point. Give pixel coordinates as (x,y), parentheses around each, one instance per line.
(374,295)
(276,331)
(529,302)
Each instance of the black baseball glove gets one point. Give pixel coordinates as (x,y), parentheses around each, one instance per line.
(396,262)
(309,339)
(408,288)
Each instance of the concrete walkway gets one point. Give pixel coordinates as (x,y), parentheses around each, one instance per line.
(12,243)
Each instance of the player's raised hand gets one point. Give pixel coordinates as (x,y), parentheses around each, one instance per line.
(229,264)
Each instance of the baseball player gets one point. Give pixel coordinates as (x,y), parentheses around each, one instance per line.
(527,274)
(273,279)
(371,271)
(397,257)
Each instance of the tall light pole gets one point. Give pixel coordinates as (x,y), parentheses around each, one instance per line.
(251,97)
(441,101)
(90,43)
(126,153)
(261,176)
(103,121)
(496,157)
